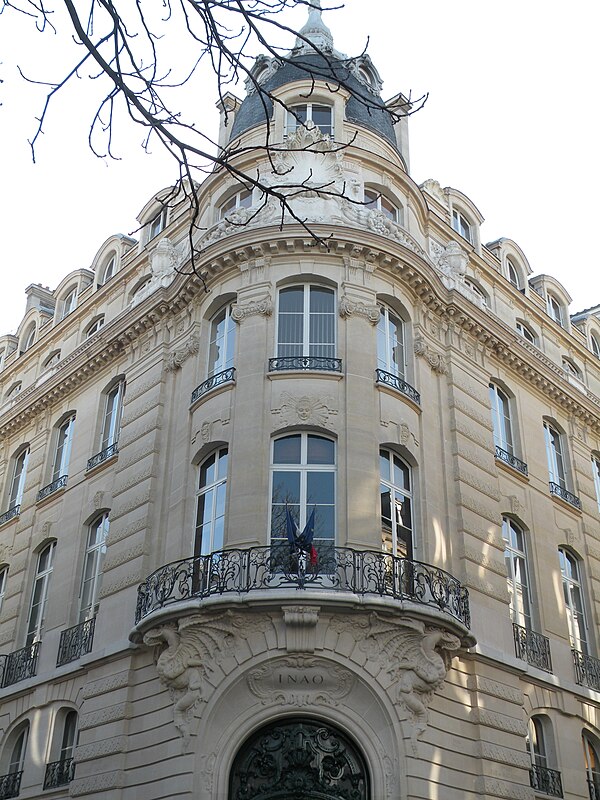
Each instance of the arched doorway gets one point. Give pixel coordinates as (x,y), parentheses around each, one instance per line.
(299,759)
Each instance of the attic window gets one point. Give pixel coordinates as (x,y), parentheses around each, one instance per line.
(595,345)
(512,274)
(241,199)
(321,117)
(158,224)
(376,200)
(554,309)
(462,225)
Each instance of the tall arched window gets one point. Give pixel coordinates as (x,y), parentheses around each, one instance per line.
(303,480)
(60,771)
(515,556)
(29,338)
(17,483)
(222,342)
(555,455)
(16,759)
(592,765)
(396,505)
(512,274)
(210,503)
(3,579)
(111,422)
(595,344)
(92,568)
(390,343)
(62,454)
(39,595)
(543,777)
(306,322)
(573,597)
(501,419)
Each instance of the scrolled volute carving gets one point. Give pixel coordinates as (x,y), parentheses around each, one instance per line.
(177,358)
(349,308)
(435,360)
(262,306)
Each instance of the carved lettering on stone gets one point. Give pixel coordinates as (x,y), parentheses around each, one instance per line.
(262,306)
(300,681)
(190,348)
(305,409)
(349,308)
(435,360)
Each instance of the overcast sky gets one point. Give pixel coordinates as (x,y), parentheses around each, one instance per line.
(511,121)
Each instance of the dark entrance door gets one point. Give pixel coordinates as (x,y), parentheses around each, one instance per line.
(299,759)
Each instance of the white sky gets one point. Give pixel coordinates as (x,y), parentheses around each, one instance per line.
(511,121)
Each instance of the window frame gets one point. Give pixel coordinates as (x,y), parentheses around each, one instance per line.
(292,123)
(228,341)
(95,552)
(572,586)
(109,270)
(595,344)
(462,225)
(95,326)
(37,610)
(243,198)
(111,419)
(3,582)
(592,770)
(29,338)
(158,223)
(502,418)
(387,343)
(555,309)
(520,593)
(513,274)
(557,463)
(68,303)
(62,448)
(215,490)
(525,332)
(19,739)
(596,476)
(395,493)
(380,202)
(19,476)
(306,344)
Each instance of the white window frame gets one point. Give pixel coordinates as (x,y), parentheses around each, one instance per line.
(211,497)
(29,338)
(3,580)
(111,417)
(221,347)
(525,332)
(109,270)
(307,346)
(512,273)
(387,344)
(595,345)
(556,458)
(399,496)
(91,578)
(517,573)
(292,124)
(69,735)
(241,199)
(462,225)
(596,474)
(37,610)
(591,761)
(19,475)
(572,584)
(18,751)
(69,303)
(158,223)
(62,451)
(97,325)
(555,309)
(502,418)
(536,742)
(374,199)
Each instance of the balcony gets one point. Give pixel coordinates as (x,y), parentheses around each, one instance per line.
(532,647)
(19,666)
(220,379)
(545,780)
(593,788)
(259,570)
(59,773)
(305,364)
(587,671)
(59,483)
(10,784)
(387,379)
(10,514)
(76,642)
(511,460)
(102,456)
(565,495)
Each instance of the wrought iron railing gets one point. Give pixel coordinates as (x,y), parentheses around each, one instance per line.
(511,460)
(545,780)
(532,647)
(59,773)
(76,642)
(387,379)
(587,670)
(594,788)
(10,514)
(308,363)
(59,483)
(565,495)
(103,455)
(338,569)
(19,665)
(227,376)
(10,784)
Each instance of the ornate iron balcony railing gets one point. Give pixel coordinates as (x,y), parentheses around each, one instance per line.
(594,788)
(59,773)
(305,363)
(103,455)
(339,569)
(227,376)
(59,483)
(10,785)
(19,665)
(545,780)
(12,512)
(387,379)
(565,495)
(76,642)
(587,670)
(532,647)
(511,460)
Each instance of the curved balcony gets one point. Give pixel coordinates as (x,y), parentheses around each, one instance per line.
(340,571)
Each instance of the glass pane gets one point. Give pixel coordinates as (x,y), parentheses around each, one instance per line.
(207,472)
(286,487)
(384,465)
(287,450)
(324,523)
(222,465)
(292,300)
(401,474)
(321,300)
(320,488)
(320,450)
(386,506)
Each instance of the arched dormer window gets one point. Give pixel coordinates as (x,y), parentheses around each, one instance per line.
(108,270)
(29,338)
(512,273)
(555,309)
(241,199)
(374,199)
(159,223)
(595,344)
(462,225)
(310,115)
(69,302)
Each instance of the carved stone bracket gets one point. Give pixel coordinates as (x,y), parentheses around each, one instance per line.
(176,359)
(263,306)
(435,360)
(300,681)
(349,308)
(300,628)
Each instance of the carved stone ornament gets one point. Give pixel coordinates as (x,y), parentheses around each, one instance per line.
(452,266)
(177,358)
(435,360)
(187,649)
(415,657)
(263,306)
(434,188)
(350,307)
(165,261)
(305,409)
(300,681)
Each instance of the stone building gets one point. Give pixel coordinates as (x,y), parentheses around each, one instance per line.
(416,394)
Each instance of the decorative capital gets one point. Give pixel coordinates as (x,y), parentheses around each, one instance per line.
(262,306)
(350,307)
(435,360)
(176,359)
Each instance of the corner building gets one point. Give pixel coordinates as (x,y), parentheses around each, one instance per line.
(418,394)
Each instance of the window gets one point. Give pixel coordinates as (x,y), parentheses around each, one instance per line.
(210,503)
(476,290)
(396,505)
(14,391)
(376,200)
(158,224)
(3,579)
(571,369)
(317,116)
(513,274)
(525,332)
(69,303)
(111,424)
(94,327)
(17,755)
(222,342)
(573,597)
(39,595)
(241,199)
(592,765)
(303,480)
(554,454)
(390,343)
(594,345)
(52,359)
(501,419)
(63,449)
(306,322)
(17,483)
(109,270)
(462,225)
(543,775)
(515,558)
(554,309)
(596,474)
(535,743)
(29,339)
(1,358)
(69,734)
(92,568)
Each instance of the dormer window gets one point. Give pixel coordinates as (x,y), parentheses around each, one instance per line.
(321,117)
(29,339)
(512,274)
(69,303)
(108,271)
(525,332)
(242,199)
(462,225)
(595,345)
(554,309)
(158,224)
(376,200)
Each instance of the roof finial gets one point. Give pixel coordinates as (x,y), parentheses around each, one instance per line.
(315,30)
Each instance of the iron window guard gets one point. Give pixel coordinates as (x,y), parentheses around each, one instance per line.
(10,785)
(511,460)
(305,363)
(10,514)
(19,665)
(388,379)
(59,483)
(59,773)
(565,495)
(594,788)
(532,647)
(545,780)
(587,670)
(76,642)
(221,378)
(103,455)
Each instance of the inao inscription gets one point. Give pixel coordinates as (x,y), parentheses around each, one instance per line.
(300,681)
